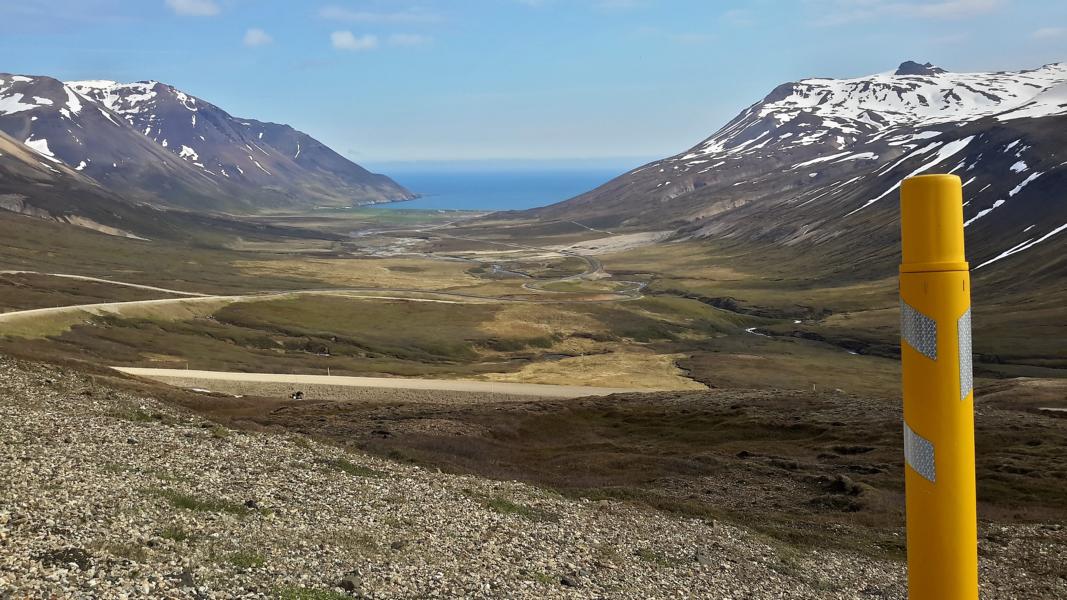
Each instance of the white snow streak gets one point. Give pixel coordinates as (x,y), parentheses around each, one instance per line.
(946,152)
(1025,183)
(1030,243)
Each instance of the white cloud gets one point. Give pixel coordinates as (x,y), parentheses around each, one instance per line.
(840,12)
(1048,33)
(338,13)
(409,39)
(346,40)
(257,37)
(194,8)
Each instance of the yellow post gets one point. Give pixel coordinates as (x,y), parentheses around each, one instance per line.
(939,481)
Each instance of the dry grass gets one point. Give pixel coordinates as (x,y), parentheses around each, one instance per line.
(43,326)
(637,369)
(764,363)
(55,323)
(538,320)
(398,273)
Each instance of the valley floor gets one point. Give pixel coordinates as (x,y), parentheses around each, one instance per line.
(111,494)
(766,462)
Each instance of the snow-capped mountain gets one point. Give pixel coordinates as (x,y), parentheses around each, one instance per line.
(154,143)
(818,162)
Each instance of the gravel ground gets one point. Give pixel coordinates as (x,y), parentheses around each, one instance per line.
(106,495)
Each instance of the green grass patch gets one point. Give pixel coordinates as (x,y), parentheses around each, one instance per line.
(175,533)
(419,331)
(200,504)
(130,551)
(354,542)
(137,414)
(299,593)
(658,558)
(246,559)
(544,578)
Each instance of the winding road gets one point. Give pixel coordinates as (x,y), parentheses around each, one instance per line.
(594,270)
(139,286)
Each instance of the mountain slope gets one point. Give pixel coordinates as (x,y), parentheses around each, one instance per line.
(816,165)
(151,142)
(36,187)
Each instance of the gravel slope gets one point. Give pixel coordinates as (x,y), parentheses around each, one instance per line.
(106,495)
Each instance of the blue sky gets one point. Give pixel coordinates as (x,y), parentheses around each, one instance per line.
(398,80)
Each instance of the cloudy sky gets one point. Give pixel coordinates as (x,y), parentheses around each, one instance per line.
(395,80)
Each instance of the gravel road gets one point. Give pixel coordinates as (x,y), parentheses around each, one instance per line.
(246,382)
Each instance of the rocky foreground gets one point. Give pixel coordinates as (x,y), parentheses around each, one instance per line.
(107,495)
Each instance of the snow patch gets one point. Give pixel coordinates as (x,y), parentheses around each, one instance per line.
(984,212)
(12,104)
(74,101)
(820,159)
(93,84)
(946,152)
(41,147)
(254,161)
(860,156)
(1025,183)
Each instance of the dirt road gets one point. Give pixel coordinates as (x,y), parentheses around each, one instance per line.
(204,379)
(138,286)
(409,295)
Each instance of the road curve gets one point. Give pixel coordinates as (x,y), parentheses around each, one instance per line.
(139,286)
(118,307)
(398,383)
(404,294)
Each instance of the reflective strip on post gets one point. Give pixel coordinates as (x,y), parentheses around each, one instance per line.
(919,454)
(918,330)
(963,331)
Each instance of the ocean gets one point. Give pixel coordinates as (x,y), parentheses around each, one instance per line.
(497,189)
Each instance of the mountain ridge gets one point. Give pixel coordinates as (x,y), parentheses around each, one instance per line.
(810,165)
(150,142)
